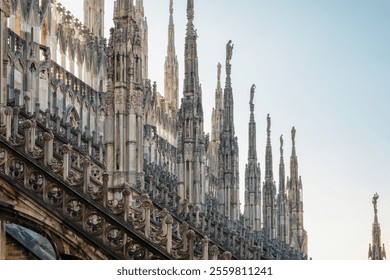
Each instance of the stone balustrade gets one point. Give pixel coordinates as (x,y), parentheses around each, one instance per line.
(153,213)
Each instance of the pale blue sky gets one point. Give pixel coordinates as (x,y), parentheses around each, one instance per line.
(322,66)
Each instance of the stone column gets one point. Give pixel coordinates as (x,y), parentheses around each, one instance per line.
(3,252)
(132,147)
(140,141)
(86,173)
(4,13)
(190,182)
(27,135)
(110,153)
(8,120)
(105,188)
(48,148)
(67,150)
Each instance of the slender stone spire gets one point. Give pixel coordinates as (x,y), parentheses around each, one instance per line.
(228,150)
(269,190)
(191,77)
(216,130)
(171,30)
(268,153)
(282,172)
(376,251)
(217,119)
(293,159)
(228,93)
(171,65)
(252,153)
(282,211)
(191,138)
(252,210)
(298,235)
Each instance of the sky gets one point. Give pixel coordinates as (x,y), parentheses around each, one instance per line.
(322,66)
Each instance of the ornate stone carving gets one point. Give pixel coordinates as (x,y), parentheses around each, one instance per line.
(6,7)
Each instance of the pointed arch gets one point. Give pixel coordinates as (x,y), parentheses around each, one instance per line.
(72,116)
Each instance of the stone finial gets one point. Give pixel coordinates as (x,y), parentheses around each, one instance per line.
(8,111)
(66,148)
(27,124)
(16,110)
(219,67)
(48,136)
(214,251)
(227,255)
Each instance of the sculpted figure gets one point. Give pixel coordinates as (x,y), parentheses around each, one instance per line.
(281,144)
(253,88)
(375,201)
(268,123)
(293,131)
(229,51)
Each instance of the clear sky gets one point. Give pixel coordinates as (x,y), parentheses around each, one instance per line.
(322,66)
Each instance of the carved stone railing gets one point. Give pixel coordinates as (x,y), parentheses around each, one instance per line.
(62,87)
(130,222)
(123,221)
(234,237)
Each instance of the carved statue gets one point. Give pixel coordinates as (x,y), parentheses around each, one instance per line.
(293,131)
(229,51)
(268,123)
(375,201)
(253,88)
(281,144)
(33,51)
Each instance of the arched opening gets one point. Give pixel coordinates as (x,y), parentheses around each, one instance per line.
(25,244)
(72,117)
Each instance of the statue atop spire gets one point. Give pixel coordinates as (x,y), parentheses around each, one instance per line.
(252,106)
(229,52)
(376,250)
(293,131)
(375,202)
(252,210)
(281,146)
